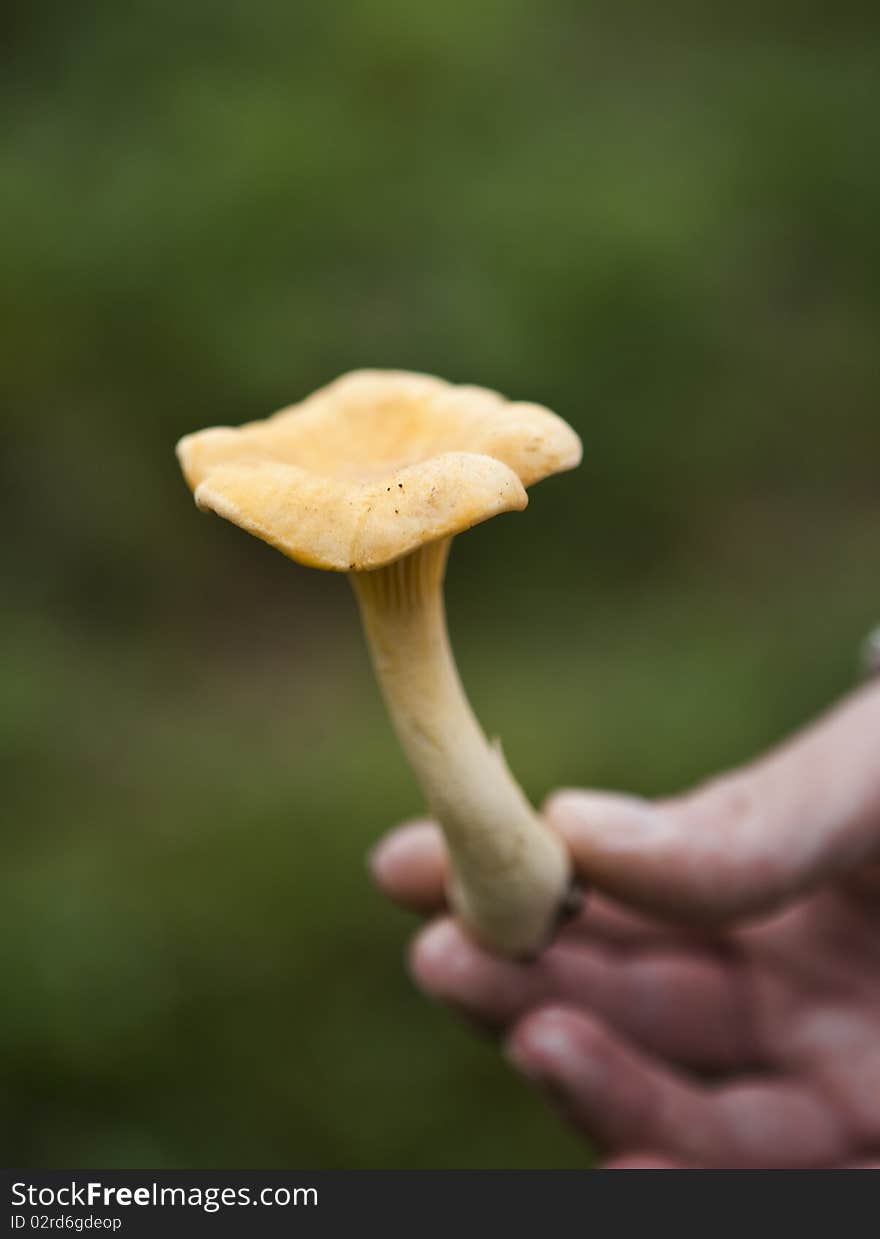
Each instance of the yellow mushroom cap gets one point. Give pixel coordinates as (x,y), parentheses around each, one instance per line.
(374,465)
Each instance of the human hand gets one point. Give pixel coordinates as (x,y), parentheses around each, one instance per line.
(718,1003)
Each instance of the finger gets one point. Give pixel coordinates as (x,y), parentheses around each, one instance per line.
(605,921)
(654,1161)
(808,812)
(683,1006)
(641,1161)
(629,1100)
(409,865)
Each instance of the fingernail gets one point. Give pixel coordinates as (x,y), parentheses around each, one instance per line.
(394,853)
(543,1044)
(552,1042)
(439,955)
(439,940)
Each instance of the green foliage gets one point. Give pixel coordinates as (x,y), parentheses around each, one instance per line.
(662,222)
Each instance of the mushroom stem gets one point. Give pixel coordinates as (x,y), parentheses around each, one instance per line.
(510,879)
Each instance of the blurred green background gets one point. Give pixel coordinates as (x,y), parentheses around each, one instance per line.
(661,221)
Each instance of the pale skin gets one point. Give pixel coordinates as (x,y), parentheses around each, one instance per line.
(717,1001)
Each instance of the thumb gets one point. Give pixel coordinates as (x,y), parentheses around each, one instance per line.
(747,841)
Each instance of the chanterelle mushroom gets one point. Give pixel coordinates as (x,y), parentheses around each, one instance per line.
(373,475)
